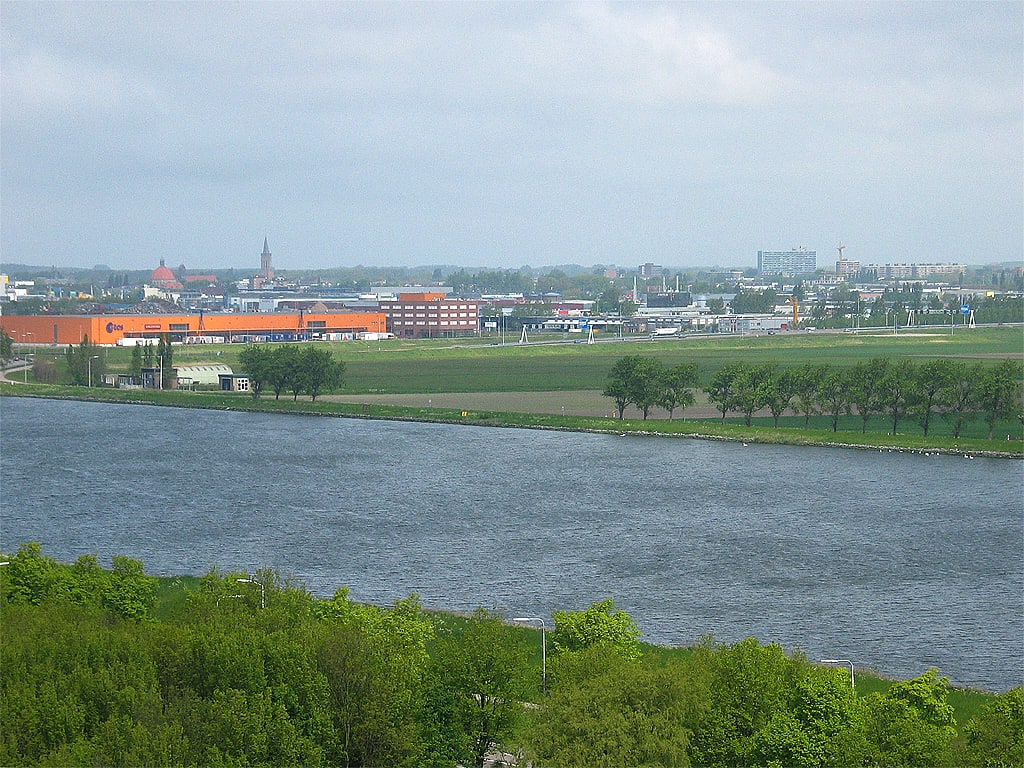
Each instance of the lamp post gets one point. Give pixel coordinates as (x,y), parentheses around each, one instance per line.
(94,357)
(842,661)
(543,647)
(27,334)
(263,592)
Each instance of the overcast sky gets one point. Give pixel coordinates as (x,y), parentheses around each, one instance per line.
(507,134)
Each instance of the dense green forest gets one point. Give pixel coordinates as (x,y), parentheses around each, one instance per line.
(111,666)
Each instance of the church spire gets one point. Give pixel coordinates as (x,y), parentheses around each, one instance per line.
(266,264)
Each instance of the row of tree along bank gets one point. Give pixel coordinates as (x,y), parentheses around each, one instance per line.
(250,669)
(306,370)
(957,391)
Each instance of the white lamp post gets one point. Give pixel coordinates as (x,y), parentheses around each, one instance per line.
(842,661)
(263,593)
(94,357)
(543,647)
(27,334)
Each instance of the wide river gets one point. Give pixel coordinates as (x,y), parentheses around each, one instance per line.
(896,561)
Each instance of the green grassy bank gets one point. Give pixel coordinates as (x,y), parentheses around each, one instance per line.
(706,430)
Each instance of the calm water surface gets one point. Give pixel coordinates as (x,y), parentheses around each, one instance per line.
(898,561)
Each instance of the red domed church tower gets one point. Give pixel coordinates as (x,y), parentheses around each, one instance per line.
(162,277)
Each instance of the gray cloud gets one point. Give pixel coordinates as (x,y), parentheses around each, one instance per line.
(502,134)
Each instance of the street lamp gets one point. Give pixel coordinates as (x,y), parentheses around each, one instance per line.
(842,661)
(263,592)
(543,647)
(27,334)
(94,357)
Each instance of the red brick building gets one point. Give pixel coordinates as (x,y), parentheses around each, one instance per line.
(431,315)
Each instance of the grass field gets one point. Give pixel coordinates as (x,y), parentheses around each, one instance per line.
(559,385)
(560,367)
(399,366)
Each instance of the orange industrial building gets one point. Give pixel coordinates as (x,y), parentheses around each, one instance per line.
(201,328)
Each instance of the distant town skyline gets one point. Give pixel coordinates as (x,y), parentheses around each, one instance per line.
(497,135)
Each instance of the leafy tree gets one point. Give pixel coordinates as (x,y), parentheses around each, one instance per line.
(318,371)
(830,713)
(999,393)
(165,361)
(750,390)
(723,386)
(600,624)
(912,724)
(619,385)
(751,689)
(606,711)
(994,738)
(609,301)
(6,347)
(676,387)
(958,401)
(375,662)
(130,593)
(899,390)
(80,362)
(645,384)
(254,361)
(89,582)
(44,370)
(35,577)
(806,380)
(867,388)
(485,669)
(135,363)
(760,302)
(779,388)
(833,395)
(934,380)
(281,368)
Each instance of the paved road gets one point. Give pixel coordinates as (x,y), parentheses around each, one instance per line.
(15,368)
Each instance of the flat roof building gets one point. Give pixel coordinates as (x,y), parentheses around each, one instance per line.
(798,262)
(431,315)
(113,330)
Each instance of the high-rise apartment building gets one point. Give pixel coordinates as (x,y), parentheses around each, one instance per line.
(847,267)
(796,262)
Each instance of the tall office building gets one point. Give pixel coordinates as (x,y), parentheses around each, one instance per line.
(796,262)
